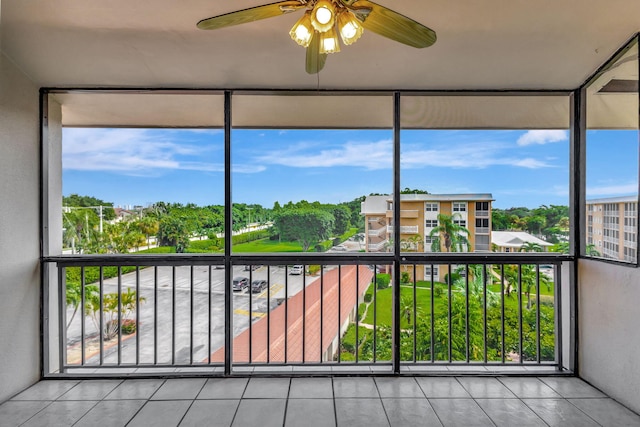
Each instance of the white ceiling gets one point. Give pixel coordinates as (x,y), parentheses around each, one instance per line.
(482,44)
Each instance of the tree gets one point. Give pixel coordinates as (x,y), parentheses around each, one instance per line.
(591,250)
(149,226)
(525,279)
(408,190)
(449,234)
(342,216)
(306,225)
(530,247)
(88,201)
(173,231)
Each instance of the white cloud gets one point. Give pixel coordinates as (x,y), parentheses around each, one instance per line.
(541,137)
(367,155)
(133,151)
(612,190)
(378,155)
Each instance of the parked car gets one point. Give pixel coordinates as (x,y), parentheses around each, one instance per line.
(296,269)
(258,286)
(240,283)
(339,248)
(251,267)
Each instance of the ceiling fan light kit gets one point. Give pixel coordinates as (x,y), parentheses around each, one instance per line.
(317,30)
(302,31)
(329,41)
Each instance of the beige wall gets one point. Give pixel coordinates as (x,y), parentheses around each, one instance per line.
(609,318)
(19,231)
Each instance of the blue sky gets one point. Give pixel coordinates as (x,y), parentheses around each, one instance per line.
(520,168)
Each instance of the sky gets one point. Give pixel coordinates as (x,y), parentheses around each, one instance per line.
(519,168)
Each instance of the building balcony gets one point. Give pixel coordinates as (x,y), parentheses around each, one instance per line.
(408,213)
(338,401)
(151,315)
(404,229)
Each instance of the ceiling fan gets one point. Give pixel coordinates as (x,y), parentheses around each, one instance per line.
(317,30)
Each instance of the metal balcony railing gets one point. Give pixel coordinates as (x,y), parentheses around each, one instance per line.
(147,315)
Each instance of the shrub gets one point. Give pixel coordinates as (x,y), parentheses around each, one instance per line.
(405,277)
(368,297)
(129,326)
(383,280)
(313,269)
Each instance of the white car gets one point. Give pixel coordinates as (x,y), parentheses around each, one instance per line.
(296,269)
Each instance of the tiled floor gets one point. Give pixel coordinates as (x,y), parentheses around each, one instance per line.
(311,402)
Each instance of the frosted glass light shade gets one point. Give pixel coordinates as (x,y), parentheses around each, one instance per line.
(302,31)
(350,27)
(329,42)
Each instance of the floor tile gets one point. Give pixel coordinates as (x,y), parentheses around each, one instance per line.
(91,390)
(360,412)
(61,414)
(179,388)
(398,387)
(14,413)
(607,412)
(445,387)
(135,389)
(482,388)
(308,388)
(161,413)
(111,413)
(571,387)
(267,388)
(460,412)
(310,412)
(211,412)
(223,388)
(46,390)
(559,412)
(510,412)
(526,387)
(363,387)
(410,412)
(260,412)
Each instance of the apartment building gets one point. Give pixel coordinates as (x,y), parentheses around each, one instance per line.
(419,217)
(612,227)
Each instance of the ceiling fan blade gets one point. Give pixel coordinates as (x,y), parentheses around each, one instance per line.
(394,26)
(251,14)
(315,59)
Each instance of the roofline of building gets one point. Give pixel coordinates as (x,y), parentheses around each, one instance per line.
(619,199)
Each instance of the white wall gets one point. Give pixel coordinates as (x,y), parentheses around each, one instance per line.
(19,231)
(609,316)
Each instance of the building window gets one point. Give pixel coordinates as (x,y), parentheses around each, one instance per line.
(460,222)
(431,223)
(482,206)
(459,206)
(431,207)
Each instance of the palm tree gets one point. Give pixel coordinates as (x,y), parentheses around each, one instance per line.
(526,280)
(530,247)
(449,234)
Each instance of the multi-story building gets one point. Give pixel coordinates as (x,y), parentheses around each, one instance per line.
(419,216)
(612,225)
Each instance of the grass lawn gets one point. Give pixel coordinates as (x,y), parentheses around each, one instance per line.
(266,245)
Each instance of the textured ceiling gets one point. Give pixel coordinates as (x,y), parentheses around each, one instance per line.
(488,44)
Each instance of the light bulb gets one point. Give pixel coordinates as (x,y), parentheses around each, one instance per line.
(302,31)
(329,42)
(350,27)
(323,16)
